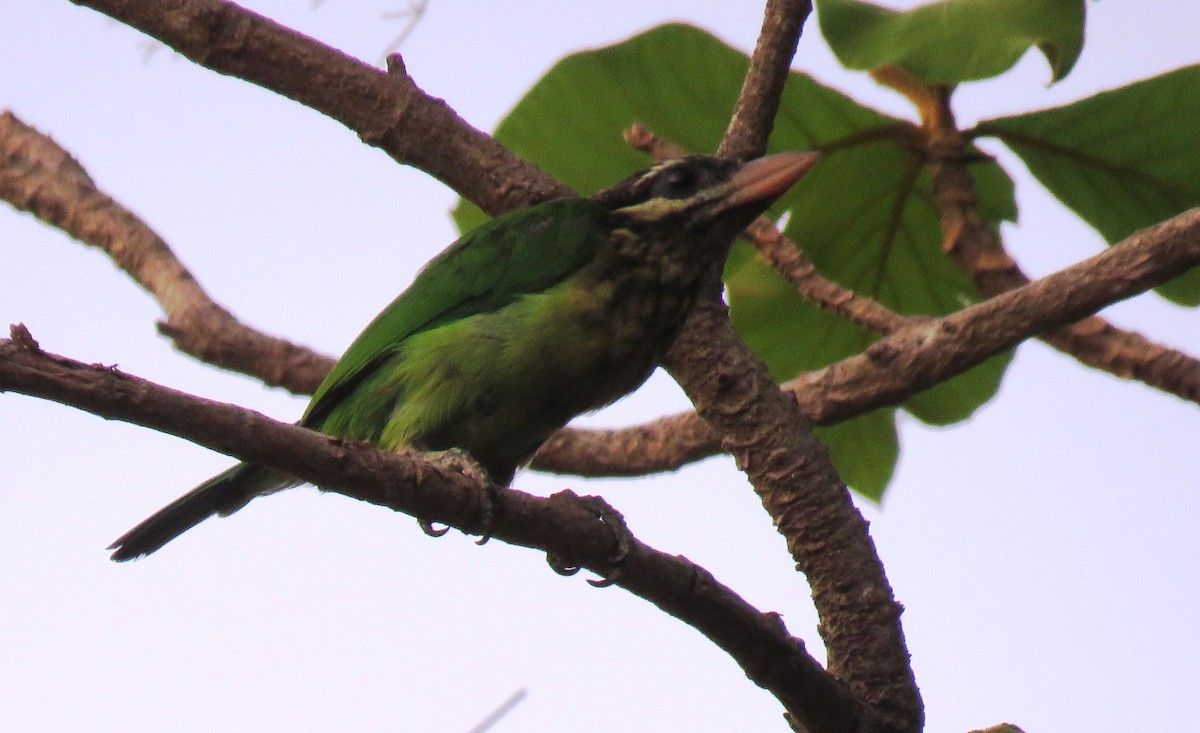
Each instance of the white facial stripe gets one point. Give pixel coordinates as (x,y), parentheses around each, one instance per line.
(654,209)
(659,169)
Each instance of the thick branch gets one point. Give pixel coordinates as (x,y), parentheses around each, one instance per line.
(977,249)
(758,103)
(773,443)
(793,475)
(38,176)
(789,467)
(387,110)
(561,525)
(903,364)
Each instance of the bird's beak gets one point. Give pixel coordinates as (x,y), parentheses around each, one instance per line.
(766,179)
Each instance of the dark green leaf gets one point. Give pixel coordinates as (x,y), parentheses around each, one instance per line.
(865,451)
(864,214)
(954,40)
(868,222)
(1122,160)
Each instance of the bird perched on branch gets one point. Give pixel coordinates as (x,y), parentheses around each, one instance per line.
(524,323)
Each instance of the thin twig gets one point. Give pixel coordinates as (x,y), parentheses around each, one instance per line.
(501,710)
(978,251)
(788,259)
(40,177)
(411,16)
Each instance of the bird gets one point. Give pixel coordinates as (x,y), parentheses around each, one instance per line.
(524,323)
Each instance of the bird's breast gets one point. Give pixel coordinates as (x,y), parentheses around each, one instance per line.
(498,384)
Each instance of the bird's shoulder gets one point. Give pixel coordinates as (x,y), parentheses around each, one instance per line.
(526,251)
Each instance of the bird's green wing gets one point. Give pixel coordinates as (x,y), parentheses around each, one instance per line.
(527,251)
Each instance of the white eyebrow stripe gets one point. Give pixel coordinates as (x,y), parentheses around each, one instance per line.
(654,209)
(658,169)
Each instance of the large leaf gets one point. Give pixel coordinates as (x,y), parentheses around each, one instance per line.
(875,231)
(1122,160)
(953,41)
(864,214)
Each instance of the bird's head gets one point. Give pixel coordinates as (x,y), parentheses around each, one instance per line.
(703,197)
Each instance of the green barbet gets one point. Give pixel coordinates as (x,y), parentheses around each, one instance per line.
(524,323)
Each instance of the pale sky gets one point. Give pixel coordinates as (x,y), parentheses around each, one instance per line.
(1044,550)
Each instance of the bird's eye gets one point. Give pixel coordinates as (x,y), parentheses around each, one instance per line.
(677,183)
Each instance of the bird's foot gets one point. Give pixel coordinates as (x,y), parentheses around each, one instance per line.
(458,461)
(623,539)
(461,462)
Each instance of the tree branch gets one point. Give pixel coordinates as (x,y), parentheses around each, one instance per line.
(792,474)
(758,102)
(977,250)
(789,260)
(562,525)
(771,440)
(913,359)
(386,110)
(40,177)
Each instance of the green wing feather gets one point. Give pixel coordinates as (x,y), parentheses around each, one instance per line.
(527,251)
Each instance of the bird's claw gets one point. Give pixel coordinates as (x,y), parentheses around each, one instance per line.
(487,507)
(615,522)
(461,462)
(427,527)
(607,580)
(560,566)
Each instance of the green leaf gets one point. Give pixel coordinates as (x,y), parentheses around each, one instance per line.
(1122,160)
(954,40)
(864,214)
(865,451)
(866,219)
(571,121)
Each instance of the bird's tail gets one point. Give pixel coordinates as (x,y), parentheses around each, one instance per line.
(222,494)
